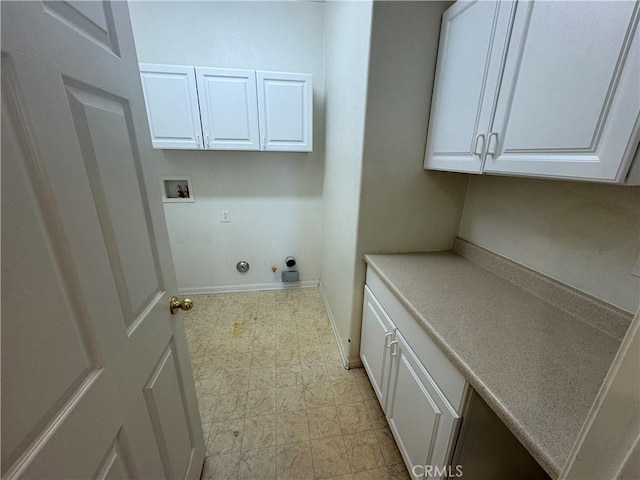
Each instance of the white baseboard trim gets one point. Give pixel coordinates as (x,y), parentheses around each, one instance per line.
(346,361)
(248,288)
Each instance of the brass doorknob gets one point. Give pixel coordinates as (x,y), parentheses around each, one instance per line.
(175,304)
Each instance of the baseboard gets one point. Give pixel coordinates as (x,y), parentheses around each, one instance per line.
(346,361)
(248,288)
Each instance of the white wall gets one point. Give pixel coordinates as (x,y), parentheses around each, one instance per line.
(403,208)
(377,195)
(348,28)
(274,198)
(583,234)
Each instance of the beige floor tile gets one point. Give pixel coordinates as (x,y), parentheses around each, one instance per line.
(287,356)
(221,467)
(230,406)
(208,384)
(329,457)
(207,406)
(323,422)
(336,371)
(353,418)
(261,402)
(263,357)
(258,464)
(225,437)
(288,376)
(375,414)
(292,427)
(346,391)
(294,462)
(388,446)
(366,390)
(290,398)
(235,382)
(399,472)
(262,378)
(197,346)
(212,364)
(318,395)
(238,361)
(259,432)
(314,373)
(363,451)
(313,353)
(381,473)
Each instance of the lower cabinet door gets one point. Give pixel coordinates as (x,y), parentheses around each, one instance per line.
(423,423)
(375,339)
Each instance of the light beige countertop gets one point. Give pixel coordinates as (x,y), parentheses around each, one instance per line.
(538,365)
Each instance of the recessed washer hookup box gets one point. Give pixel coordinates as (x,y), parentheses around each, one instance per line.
(290,276)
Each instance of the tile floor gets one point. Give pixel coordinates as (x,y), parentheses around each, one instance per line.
(274,398)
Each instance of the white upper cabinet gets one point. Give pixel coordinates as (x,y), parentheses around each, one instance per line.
(229,108)
(556,94)
(285,105)
(467,78)
(224,109)
(171,100)
(570,98)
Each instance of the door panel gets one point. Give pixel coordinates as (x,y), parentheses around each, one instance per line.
(113,170)
(229,108)
(171,100)
(472,44)
(413,415)
(85,315)
(286,111)
(167,413)
(374,352)
(569,101)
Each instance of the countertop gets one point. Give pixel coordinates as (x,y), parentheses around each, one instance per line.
(536,365)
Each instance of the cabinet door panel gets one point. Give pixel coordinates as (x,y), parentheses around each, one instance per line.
(286,111)
(171,100)
(472,45)
(422,421)
(412,413)
(374,352)
(570,101)
(229,108)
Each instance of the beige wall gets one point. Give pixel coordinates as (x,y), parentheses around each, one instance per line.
(348,28)
(275,198)
(583,234)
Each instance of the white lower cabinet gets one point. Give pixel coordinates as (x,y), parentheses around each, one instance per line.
(419,390)
(375,342)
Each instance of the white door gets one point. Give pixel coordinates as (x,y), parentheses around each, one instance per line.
(375,340)
(470,56)
(96,380)
(285,106)
(423,424)
(569,104)
(171,99)
(228,108)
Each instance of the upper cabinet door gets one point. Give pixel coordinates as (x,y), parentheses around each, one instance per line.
(472,46)
(172,106)
(570,99)
(286,111)
(229,108)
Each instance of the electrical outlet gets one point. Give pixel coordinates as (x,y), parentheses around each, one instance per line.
(226,216)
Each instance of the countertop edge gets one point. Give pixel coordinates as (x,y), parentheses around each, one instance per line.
(536,450)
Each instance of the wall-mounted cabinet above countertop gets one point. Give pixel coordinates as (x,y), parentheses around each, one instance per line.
(206,108)
(535,88)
